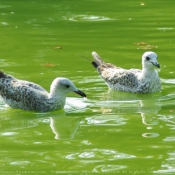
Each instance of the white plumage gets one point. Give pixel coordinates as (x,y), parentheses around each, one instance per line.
(30,96)
(132,80)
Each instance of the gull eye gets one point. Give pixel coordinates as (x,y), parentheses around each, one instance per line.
(67,86)
(147,58)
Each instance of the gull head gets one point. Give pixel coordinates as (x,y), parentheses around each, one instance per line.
(149,60)
(65,86)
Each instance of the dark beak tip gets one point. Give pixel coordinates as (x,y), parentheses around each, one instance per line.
(157,65)
(80,93)
(83,95)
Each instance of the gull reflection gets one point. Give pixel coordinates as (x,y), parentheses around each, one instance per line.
(129,103)
(64,127)
(12,121)
(149,110)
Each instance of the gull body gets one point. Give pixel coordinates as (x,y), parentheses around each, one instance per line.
(30,96)
(132,80)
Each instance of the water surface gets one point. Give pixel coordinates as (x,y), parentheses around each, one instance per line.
(110,132)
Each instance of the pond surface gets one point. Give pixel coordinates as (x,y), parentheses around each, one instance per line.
(109,132)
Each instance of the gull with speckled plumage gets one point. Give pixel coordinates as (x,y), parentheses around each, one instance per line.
(30,96)
(132,80)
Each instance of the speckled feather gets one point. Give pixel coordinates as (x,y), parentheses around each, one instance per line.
(132,80)
(30,96)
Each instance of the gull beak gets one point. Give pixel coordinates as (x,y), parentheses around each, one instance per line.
(156,64)
(80,93)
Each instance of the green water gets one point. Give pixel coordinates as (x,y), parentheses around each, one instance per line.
(110,132)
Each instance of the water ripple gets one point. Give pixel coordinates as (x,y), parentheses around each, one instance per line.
(20,162)
(169,139)
(150,135)
(109,168)
(86,18)
(76,104)
(167,166)
(168,81)
(99,155)
(86,155)
(9,133)
(106,120)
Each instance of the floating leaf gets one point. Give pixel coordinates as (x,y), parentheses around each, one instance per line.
(145,46)
(142,3)
(48,65)
(57,47)
(140,43)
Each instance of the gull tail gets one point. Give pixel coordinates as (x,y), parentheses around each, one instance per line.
(97,60)
(2,75)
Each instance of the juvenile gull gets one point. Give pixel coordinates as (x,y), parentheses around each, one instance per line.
(133,80)
(30,96)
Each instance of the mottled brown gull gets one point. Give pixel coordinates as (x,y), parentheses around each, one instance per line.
(30,96)
(132,80)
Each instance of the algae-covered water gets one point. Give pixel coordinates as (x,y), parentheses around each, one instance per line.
(109,132)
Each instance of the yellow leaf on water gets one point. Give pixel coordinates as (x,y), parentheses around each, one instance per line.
(142,3)
(57,47)
(140,43)
(48,65)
